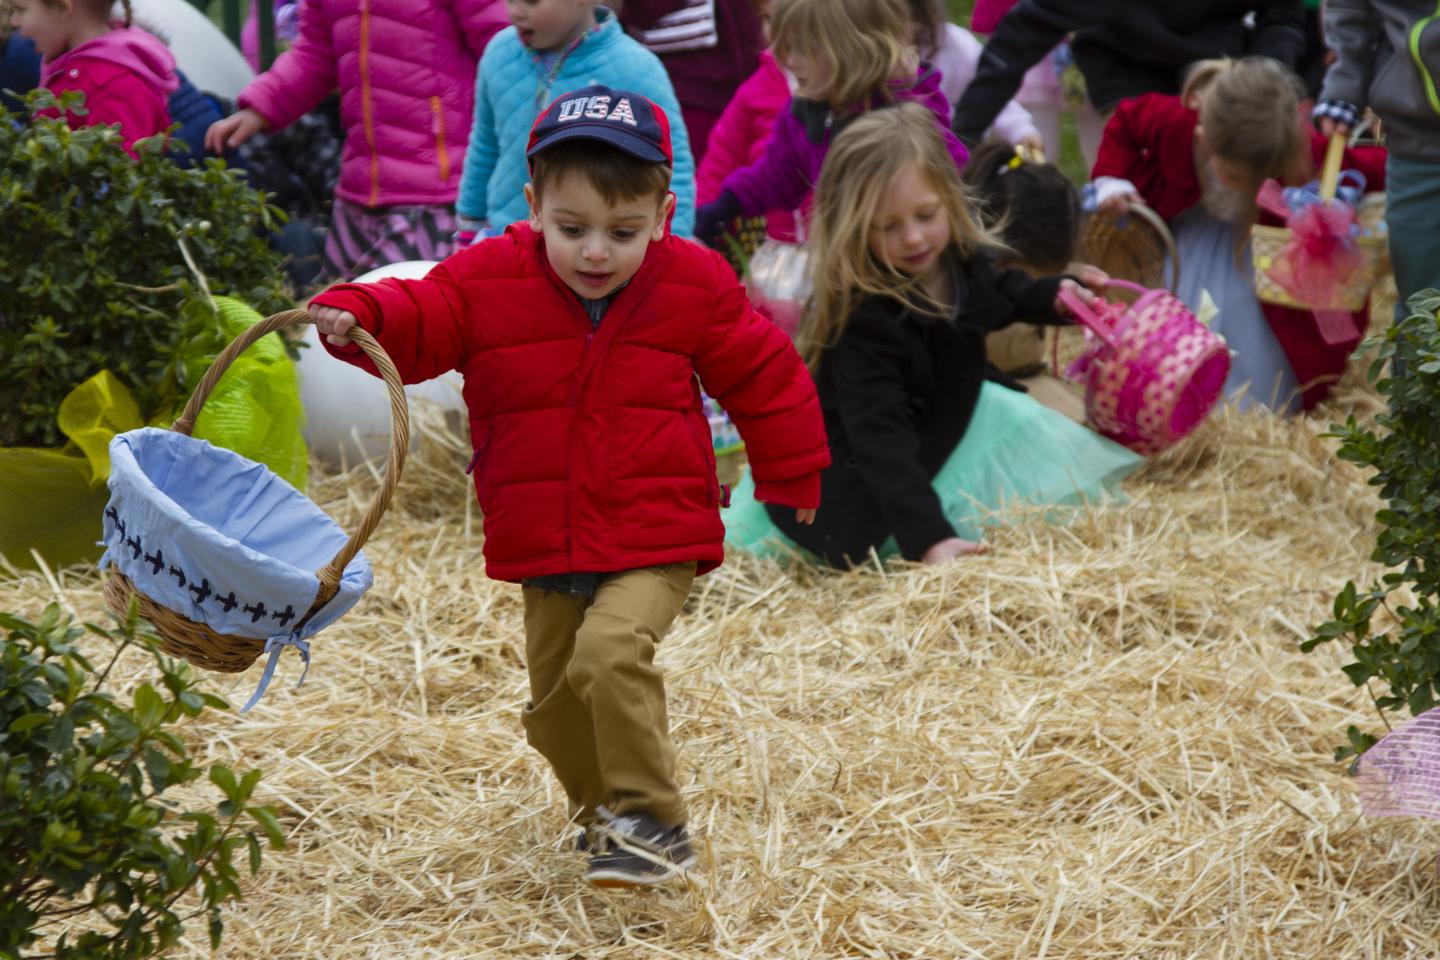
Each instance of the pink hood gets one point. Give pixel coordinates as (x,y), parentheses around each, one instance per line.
(127,47)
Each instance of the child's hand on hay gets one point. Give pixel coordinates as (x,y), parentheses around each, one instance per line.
(227,134)
(951,548)
(334,325)
(806,517)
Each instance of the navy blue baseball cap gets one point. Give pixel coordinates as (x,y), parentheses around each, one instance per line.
(623,119)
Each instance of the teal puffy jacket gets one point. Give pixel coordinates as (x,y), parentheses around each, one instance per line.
(512,88)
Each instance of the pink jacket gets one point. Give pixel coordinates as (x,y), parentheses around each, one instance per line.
(739,137)
(127,77)
(406,74)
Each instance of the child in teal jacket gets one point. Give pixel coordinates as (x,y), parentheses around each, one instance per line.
(573,44)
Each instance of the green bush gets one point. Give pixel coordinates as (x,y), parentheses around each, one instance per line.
(93,271)
(1403,448)
(93,861)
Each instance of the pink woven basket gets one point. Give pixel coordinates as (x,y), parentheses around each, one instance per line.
(1153,372)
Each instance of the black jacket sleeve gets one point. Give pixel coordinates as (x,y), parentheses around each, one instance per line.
(1002,297)
(866,369)
(1280,30)
(1030,30)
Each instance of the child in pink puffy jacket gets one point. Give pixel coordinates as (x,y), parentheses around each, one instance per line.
(126,74)
(406,74)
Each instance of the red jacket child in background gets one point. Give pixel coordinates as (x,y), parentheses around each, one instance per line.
(581,335)
(126,74)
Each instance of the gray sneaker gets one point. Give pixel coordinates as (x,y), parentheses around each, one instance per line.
(637,850)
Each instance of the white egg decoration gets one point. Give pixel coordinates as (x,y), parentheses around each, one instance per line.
(347,411)
(202,52)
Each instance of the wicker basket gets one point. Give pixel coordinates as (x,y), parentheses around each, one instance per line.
(199,643)
(1153,373)
(1137,248)
(1267,243)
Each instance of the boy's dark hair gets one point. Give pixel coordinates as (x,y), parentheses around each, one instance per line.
(616,174)
(1032,206)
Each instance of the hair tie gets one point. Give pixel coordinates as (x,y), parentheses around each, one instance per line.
(1011,163)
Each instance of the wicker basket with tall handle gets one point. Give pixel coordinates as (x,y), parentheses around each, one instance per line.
(1267,244)
(198,642)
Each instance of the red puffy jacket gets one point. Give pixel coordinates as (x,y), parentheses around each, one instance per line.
(591,450)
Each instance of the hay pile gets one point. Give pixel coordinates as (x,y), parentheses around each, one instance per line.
(1098,741)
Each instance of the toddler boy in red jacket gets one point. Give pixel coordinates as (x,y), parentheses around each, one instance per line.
(580,334)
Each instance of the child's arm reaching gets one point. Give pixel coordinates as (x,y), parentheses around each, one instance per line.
(1352,29)
(1123,153)
(867,369)
(749,366)
(472,204)
(1034,299)
(296,83)
(776,181)
(424,325)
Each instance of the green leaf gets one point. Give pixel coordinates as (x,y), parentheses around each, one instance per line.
(223,778)
(265,816)
(29,721)
(149,707)
(247,784)
(253,846)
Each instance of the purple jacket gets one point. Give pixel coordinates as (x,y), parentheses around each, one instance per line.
(790,167)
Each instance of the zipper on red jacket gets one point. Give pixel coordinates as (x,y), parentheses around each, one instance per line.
(575,383)
(479,454)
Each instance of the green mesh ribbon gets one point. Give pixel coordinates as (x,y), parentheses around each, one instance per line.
(50,500)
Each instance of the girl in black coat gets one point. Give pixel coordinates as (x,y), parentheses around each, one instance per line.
(905,291)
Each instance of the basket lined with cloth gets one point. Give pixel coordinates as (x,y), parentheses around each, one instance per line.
(224,557)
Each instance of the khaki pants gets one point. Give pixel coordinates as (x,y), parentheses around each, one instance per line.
(597,700)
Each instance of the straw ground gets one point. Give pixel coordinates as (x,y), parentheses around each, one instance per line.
(1097,741)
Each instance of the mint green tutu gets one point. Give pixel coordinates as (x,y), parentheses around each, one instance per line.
(1016,452)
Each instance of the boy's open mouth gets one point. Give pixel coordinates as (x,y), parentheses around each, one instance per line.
(594,279)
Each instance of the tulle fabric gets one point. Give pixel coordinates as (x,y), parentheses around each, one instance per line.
(1015,453)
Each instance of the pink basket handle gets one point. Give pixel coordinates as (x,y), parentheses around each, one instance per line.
(1089,318)
(1127,285)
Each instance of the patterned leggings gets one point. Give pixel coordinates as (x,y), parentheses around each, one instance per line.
(364,238)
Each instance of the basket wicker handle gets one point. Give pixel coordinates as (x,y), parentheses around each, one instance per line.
(1162,230)
(1330,172)
(330,574)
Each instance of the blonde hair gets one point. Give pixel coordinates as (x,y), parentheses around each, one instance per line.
(865,159)
(865,44)
(1250,116)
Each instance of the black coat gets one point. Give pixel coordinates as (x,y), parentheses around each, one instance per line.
(1124,47)
(897,392)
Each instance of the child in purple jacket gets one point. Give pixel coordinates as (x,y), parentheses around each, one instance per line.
(848,56)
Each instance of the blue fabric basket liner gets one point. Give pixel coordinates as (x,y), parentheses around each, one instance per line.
(220,539)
